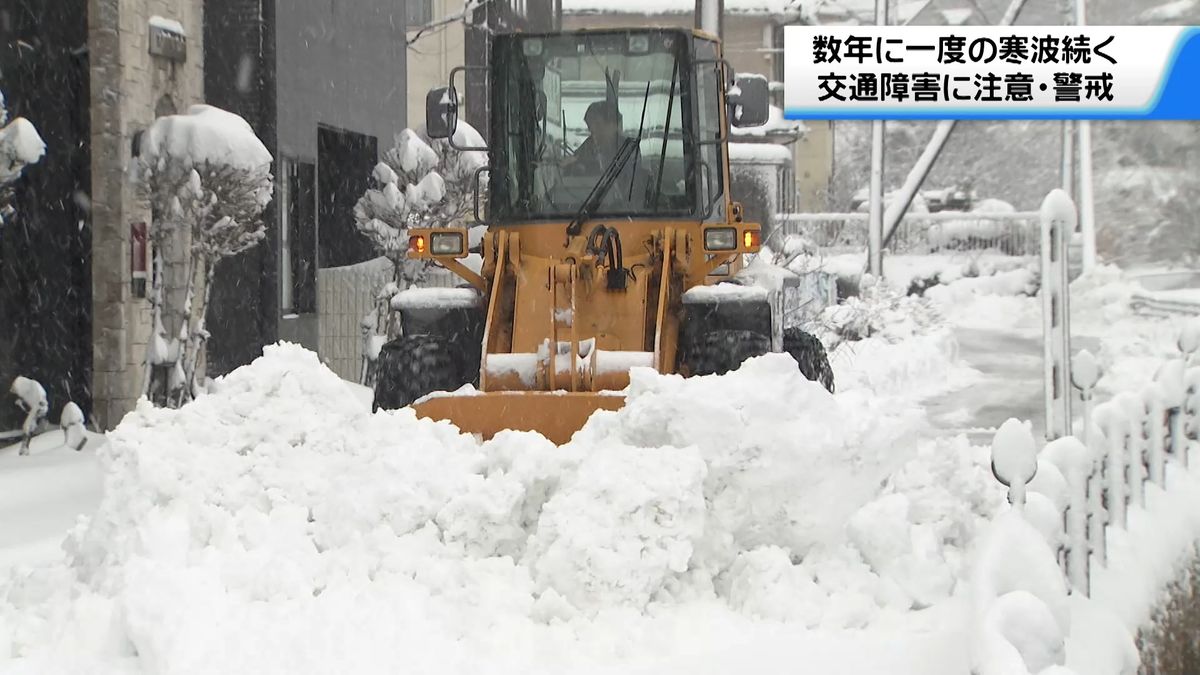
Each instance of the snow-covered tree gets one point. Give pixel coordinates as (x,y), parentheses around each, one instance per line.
(20,146)
(421,182)
(207,178)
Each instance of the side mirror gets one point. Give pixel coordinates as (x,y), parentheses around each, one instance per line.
(749,104)
(441,112)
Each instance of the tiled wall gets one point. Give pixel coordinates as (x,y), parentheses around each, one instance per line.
(344,296)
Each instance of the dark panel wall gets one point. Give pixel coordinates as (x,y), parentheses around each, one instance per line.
(45,259)
(239,76)
(334,63)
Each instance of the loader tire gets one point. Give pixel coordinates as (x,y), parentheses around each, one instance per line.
(719,351)
(810,355)
(412,366)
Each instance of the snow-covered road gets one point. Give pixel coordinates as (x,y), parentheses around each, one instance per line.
(1010,386)
(42,495)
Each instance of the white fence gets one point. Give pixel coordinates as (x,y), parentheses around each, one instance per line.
(1129,442)
(1029,564)
(1010,233)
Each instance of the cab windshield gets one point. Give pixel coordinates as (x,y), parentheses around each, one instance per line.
(571,108)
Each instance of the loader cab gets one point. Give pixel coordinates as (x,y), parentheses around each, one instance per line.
(564,104)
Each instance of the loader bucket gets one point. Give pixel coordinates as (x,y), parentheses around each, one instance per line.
(555,415)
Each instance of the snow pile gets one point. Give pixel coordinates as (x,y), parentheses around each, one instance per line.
(1171,12)
(1021,610)
(205,135)
(275,525)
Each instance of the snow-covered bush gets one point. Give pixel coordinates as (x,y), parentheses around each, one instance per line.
(208,178)
(20,146)
(878,311)
(421,182)
(31,399)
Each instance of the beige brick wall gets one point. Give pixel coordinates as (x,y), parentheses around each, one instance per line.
(127,85)
(430,60)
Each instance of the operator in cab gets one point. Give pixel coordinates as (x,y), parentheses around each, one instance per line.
(605,136)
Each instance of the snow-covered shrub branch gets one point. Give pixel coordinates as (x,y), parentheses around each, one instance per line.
(434,27)
(208,179)
(421,182)
(878,311)
(20,146)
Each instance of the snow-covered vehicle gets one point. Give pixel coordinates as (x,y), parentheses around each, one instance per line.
(989,232)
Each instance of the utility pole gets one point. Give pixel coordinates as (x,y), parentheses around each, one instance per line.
(895,212)
(1086,198)
(709,16)
(875,224)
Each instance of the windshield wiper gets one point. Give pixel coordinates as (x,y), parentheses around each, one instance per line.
(602,186)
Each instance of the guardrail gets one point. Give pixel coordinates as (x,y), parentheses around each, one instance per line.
(1009,233)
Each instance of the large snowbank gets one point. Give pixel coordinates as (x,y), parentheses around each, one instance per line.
(275,525)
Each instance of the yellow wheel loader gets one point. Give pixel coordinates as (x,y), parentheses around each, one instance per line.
(609,227)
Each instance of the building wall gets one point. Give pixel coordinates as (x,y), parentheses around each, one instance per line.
(432,56)
(339,63)
(745,44)
(128,85)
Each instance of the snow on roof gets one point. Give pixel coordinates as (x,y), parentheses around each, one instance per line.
(1171,11)
(907,11)
(167,24)
(775,124)
(957,17)
(205,135)
(759,152)
(677,7)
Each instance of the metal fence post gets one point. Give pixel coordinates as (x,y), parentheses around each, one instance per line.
(1058,219)
(1155,428)
(1115,427)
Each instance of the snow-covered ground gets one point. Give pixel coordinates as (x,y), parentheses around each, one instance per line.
(41,496)
(715,524)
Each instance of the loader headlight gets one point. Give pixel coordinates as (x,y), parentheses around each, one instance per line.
(446,243)
(720,239)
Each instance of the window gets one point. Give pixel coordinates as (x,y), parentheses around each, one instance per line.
(420,12)
(573,108)
(298,239)
(709,82)
(777,63)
